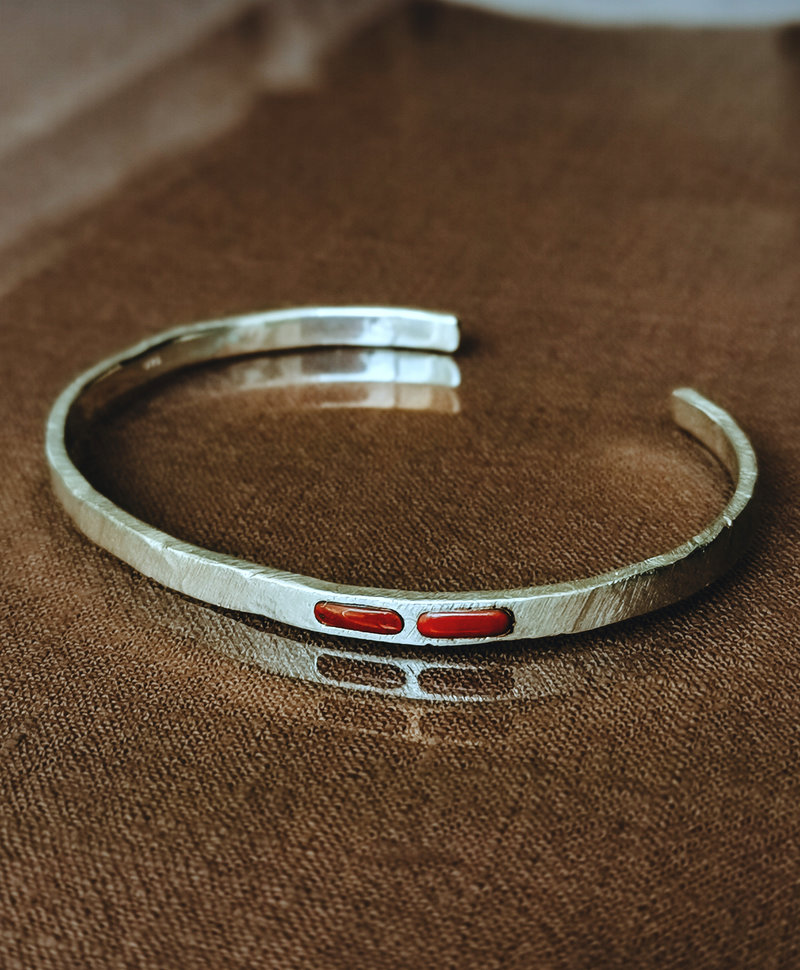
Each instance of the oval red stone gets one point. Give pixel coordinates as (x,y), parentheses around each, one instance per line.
(454,624)
(365,619)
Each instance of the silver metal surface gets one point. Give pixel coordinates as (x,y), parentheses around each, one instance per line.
(236,584)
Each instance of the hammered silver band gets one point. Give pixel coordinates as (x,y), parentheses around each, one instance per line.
(381,615)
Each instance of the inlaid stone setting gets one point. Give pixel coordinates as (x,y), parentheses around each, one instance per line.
(455,624)
(364,619)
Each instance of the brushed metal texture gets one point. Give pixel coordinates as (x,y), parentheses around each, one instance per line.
(420,340)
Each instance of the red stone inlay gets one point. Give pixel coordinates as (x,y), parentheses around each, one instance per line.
(455,624)
(365,619)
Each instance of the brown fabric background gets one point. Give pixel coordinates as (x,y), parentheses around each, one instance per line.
(612,215)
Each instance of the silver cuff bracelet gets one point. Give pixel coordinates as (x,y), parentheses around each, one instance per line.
(388,615)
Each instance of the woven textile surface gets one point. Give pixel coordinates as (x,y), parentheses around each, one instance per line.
(611,215)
